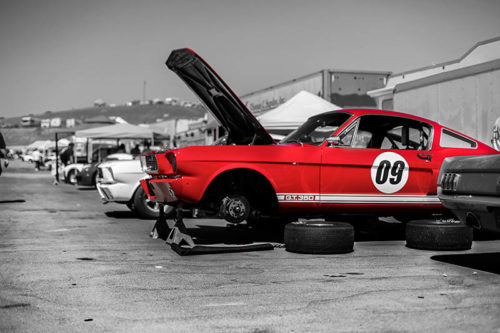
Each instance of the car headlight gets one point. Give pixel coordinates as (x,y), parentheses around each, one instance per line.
(149,163)
(143,163)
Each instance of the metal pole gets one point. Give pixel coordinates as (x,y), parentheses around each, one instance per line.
(88,149)
(57,160)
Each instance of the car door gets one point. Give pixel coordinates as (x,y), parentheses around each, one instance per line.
(378,161)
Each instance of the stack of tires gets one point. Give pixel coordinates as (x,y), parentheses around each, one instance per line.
(319,237)
(447,235)
(322,237)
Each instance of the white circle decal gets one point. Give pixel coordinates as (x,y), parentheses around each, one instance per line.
(389,172)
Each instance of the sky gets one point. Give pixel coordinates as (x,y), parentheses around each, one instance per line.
(64,54)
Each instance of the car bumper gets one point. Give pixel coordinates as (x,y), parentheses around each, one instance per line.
(163,190)
(84,180)
(117,192)
(483,210)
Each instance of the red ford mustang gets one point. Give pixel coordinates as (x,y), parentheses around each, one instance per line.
(348,161)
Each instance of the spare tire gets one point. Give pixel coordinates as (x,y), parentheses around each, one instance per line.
(437,235)
(319,237)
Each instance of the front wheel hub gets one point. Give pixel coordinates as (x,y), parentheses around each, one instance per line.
(235,208)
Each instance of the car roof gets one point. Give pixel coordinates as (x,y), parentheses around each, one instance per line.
(362,112)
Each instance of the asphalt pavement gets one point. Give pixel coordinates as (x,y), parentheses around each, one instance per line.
(70,263)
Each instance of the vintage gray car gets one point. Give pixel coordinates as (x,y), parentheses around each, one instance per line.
(470,187)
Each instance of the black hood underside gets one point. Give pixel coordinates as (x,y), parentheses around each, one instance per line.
(222,102)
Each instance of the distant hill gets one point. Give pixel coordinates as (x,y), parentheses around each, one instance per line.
(135,114)
(26,136)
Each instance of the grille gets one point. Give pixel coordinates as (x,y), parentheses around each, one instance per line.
(107,194)
(151,163)
(99,173)
(450,182)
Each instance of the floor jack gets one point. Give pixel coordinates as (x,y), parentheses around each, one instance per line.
(181,242)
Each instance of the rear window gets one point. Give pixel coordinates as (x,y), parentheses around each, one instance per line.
(451,139)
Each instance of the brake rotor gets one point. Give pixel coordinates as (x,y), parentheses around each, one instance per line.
(235,208)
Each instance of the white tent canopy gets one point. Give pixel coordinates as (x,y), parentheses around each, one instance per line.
(40,144)
(295,111)
(118,131)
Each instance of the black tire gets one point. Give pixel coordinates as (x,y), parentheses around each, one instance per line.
(146,208)
(94,179)
(71,177)
(441,236)
(143,206)
(318,237)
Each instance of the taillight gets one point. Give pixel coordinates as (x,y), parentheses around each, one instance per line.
(450,181)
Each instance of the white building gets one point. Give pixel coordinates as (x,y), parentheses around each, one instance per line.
(55,122)
(70,122)
(345,88)
(463,94)
(45,123)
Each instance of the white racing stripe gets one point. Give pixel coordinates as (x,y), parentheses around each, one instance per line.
(357,198)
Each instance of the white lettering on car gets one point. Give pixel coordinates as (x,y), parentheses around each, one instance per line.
(299,197)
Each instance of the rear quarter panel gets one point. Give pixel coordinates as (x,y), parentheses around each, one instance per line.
(439,154)
(126,173)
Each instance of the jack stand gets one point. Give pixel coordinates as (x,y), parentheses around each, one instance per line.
(161,228)
(179,232)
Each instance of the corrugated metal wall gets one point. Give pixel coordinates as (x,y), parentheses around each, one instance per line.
(470,104)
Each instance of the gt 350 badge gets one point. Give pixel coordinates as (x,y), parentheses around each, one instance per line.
(389,172)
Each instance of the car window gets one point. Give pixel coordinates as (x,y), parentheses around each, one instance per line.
(362,139)
(316,129)
(388,132)
(451,139)
(347,135)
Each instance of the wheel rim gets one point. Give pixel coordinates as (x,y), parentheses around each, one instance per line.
(150,204)
(72,178)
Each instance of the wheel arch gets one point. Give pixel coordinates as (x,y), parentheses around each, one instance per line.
(243,180)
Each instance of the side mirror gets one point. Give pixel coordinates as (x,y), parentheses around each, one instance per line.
(333,141)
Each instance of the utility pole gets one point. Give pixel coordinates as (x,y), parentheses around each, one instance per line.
(144,92)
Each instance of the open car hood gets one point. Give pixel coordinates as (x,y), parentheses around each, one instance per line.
(222,102)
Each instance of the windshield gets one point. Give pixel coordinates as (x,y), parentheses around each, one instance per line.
(316,129)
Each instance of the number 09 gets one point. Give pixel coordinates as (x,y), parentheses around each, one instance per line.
(396,171)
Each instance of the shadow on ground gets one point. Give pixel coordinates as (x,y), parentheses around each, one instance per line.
(122,214)
(488,262)
(241,234)
(86,188)
(12,201)
(235,235)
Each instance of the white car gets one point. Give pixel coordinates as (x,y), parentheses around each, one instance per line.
(118,181)
(27,158)
(68,173)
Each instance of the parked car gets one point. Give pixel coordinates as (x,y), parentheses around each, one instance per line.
(87,176)
(27,157)
(359,161)
(470,187)
(118,181)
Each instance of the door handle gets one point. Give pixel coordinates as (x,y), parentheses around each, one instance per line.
(425,156)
